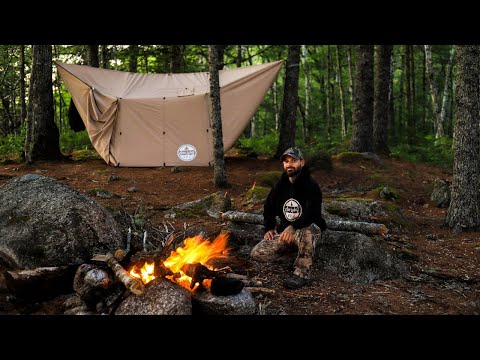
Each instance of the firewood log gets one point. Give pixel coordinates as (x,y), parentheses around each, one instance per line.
(41,283)
(357,226)
(135,285)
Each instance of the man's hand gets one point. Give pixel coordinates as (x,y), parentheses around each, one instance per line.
(270,234)
(287,234)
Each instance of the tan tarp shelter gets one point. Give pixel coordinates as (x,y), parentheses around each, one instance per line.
(163,119)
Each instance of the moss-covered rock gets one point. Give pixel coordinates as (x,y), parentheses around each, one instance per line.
(268,179)
(257,194)
(348,157)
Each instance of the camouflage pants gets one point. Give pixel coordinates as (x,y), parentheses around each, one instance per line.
(275,251)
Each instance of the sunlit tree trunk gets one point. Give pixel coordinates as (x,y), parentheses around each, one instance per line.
(464,210)
(434,93)
(288,115)
(362,119)
(342,98)
(448,74)
(45,136)
(383,55)
(350,73)
(219,175)
(275,104)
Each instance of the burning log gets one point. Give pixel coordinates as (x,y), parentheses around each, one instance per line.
(198,273)
(220,285)
(357,226)
(135,285)
(40,283)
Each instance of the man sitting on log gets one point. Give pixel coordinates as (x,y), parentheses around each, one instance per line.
(297,200)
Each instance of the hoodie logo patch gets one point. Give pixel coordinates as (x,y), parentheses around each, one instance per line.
(292,209)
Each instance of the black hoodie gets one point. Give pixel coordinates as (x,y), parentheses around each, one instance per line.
(298,204)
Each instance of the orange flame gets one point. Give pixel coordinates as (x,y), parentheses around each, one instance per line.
(146,272)
(196,250)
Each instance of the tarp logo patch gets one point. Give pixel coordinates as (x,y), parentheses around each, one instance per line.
(292,209)
(186,152)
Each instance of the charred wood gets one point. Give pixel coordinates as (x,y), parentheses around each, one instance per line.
(41,283)
(222,286)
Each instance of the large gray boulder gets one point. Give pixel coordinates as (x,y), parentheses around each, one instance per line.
(45,223)
(357,258)
(160,297)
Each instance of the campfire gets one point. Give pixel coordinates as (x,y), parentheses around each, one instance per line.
(189,265)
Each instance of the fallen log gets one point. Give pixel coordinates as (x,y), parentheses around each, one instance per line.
(41,283)
(357,226)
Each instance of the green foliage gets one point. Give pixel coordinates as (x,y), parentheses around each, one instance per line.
(71,140)
(379,180)
(11,147)
(257,194)
(348,157)
(428,150)
(266,145)
(268,179)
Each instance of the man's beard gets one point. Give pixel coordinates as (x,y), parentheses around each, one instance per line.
(294,173)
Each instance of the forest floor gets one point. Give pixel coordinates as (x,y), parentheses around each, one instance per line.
(444,267)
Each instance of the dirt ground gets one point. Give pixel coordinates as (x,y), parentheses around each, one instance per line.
(444,267)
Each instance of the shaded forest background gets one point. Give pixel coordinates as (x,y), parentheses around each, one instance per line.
(409,101)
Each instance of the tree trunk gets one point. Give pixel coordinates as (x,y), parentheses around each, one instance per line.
(327,97)
(105,56)
(308,93)
(464,210)
(391,96)
(45,136)
(409,95)
(362,119)
(448,72)
(239,56)
(434,93)
(93,55)
(133,58)
(23,105)
(381,98)
(220,176)
(288,115)
(350,74)
(424,89)
(275,105)
(342,98)
(176,58)
(221,53)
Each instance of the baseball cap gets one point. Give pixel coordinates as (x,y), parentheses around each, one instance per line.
(293,152)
